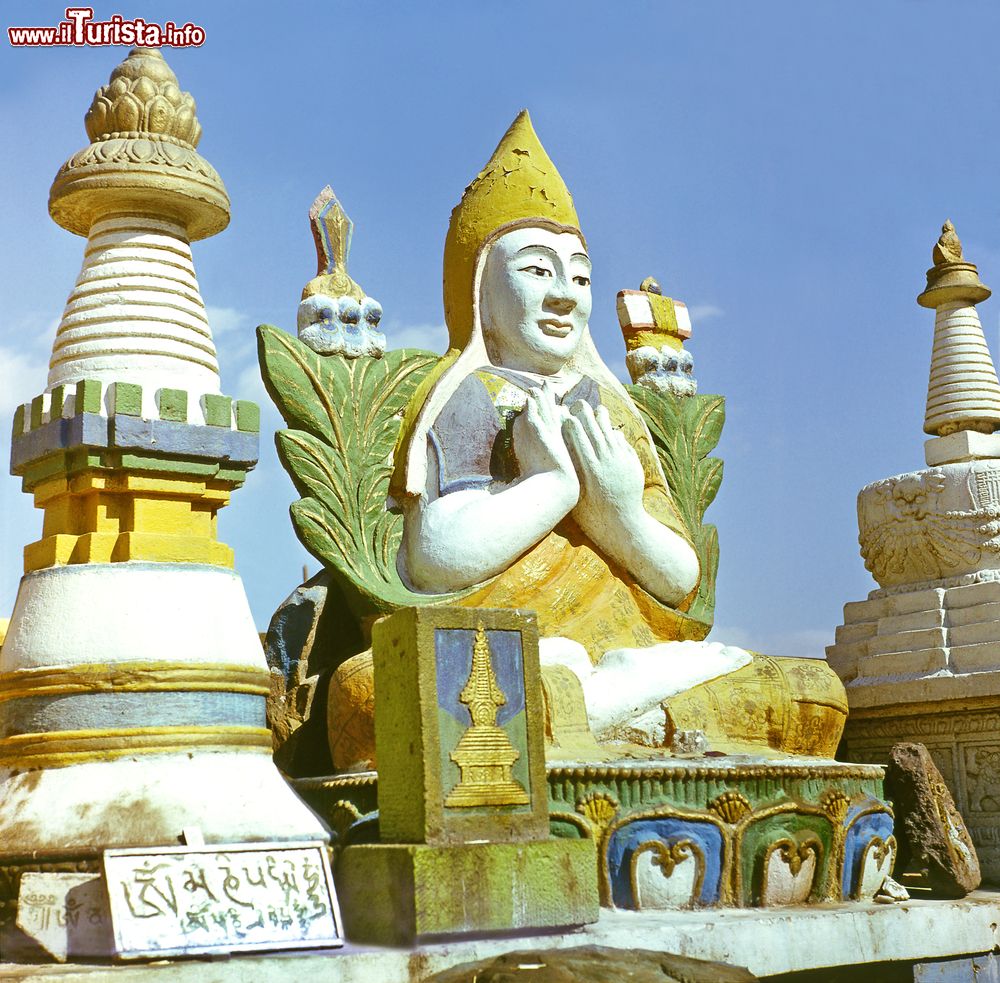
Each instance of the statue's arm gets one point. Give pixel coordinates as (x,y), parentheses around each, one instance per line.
(464,537)
(612,513)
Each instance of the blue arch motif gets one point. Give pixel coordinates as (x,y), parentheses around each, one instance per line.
(625,840)
(861,831)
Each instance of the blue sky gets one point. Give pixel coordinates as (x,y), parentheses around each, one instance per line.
(784,168)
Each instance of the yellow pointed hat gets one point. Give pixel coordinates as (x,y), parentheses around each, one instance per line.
(520,185)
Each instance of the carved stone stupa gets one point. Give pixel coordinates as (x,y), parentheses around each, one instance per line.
(920,657)
(132,681)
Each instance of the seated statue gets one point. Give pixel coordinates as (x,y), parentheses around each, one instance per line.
(527,477)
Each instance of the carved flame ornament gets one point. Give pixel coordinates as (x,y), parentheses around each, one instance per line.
(484,755)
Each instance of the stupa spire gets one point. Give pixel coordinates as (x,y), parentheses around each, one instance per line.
(963,392)
(140,193)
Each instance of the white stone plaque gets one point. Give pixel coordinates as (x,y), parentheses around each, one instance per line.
(175,901)
(66,914)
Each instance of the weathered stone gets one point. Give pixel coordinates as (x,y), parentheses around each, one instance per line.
(593,964)
(310,634)
(930,831)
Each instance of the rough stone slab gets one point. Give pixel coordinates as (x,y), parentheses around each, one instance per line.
(593,964)
(767,942)
(907,641)
(929,830)
(900,663)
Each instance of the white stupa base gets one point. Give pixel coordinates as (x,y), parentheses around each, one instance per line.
(147,800)
(130,612)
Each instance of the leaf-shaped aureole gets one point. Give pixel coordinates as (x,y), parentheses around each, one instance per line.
(344,416)
(685,429)
(711,415)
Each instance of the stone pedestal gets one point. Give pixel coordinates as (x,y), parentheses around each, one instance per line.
(401,893)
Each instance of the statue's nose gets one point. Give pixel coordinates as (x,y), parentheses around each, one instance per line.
(560,298)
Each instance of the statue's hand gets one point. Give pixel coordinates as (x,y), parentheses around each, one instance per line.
(538,439)
(611,475)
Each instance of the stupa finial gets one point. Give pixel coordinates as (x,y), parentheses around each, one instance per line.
(141,158)
(952,278)
(143,96)
(948,248)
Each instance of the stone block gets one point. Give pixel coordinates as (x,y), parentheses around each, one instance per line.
(907,641)
(913,621)
(847,634)
(57,402)
(844,659)
(218,410)
(907,602)
(38,411)
(903,663)
(979,657)
(974,634)
(974,615)
(965,445)
(88,397)
(247,416)
(930,832)
(972,594)
(856,612)
(172,404)
(125,399)
(404,893)
(447,774)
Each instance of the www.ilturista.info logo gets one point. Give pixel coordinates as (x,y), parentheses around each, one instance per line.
(80,28)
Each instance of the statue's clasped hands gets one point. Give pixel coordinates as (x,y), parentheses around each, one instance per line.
(586,452)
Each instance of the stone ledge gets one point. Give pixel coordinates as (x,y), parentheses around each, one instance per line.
(768,942)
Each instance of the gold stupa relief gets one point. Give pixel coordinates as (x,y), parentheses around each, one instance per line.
(484,755)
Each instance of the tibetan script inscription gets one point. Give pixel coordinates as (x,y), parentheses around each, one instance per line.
(187,900)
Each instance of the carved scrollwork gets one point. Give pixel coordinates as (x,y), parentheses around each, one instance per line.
(909,535)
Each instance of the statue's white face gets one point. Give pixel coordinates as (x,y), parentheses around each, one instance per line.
(535,299)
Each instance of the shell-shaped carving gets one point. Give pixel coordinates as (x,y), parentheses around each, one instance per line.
(143,97)
(599,808)
(730,806)
(834,805)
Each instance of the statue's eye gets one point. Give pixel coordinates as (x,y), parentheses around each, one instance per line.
(536,270)
(581,280)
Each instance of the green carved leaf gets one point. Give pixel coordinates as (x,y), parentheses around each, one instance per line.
(685,429)
(344,417)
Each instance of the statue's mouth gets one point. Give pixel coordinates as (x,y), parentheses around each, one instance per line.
(556,329)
